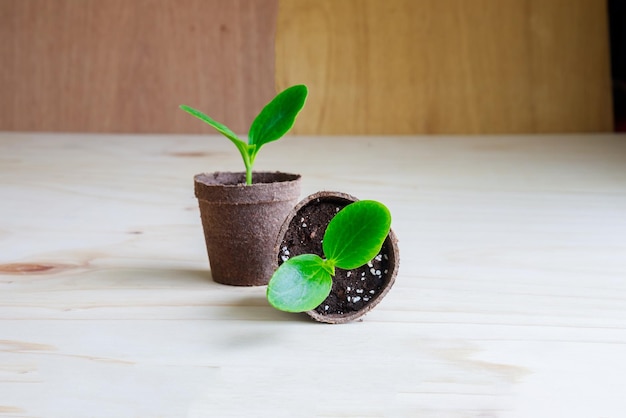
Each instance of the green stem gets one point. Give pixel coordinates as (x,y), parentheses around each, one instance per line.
(329,266)
(248,175)
(248,160)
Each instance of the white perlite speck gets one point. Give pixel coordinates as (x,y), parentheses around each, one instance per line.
(356,299)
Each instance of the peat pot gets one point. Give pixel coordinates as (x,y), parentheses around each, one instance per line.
(354,292)
(241,222)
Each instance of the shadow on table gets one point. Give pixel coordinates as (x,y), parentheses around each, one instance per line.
(227,302)
(169,286)
(256,308)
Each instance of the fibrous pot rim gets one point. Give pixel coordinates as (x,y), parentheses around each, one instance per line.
(224,187)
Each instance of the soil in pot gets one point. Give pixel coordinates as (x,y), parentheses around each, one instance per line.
(354,292)
(241,222)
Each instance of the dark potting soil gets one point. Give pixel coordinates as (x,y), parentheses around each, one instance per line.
(352,289)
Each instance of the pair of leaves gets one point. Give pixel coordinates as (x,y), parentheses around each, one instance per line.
(352,238)
(272,123)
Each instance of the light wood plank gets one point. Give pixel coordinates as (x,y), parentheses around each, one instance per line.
(510,301)
(451,66)
(125,66)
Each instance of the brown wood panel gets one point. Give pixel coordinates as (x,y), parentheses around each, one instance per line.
(447,66)
(125,65)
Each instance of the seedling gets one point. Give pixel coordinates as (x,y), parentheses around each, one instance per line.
(272,123)
(352,238)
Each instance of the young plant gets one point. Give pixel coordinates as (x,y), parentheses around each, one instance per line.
(352,238)
(272,123)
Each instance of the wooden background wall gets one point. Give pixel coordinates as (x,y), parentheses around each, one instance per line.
(373,66)
(126,65)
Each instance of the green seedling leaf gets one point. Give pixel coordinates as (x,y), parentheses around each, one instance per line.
(300,284)
(221,128)
(356,234)
(244,149)
(278,116)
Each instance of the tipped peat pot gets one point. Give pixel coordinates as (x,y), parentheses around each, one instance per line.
(241,222)
(354,292)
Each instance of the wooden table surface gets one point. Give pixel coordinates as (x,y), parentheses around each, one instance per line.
(510,300)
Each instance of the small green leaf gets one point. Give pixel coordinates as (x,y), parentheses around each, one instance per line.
(221,128)
(356,234)
(278,116)
(245,150)
(299,284)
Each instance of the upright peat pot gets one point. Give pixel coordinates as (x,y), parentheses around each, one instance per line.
(240,222)
(355,290)
(242,212)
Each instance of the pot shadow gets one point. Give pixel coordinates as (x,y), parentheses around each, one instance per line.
(256,308)
(161,276)
(222,302)
(254,324)
(252,307)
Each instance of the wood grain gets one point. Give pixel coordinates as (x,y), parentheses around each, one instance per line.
(125,66)
(510,301)
(451,66)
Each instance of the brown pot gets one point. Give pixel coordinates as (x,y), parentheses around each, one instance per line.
(241,222)
(354,292)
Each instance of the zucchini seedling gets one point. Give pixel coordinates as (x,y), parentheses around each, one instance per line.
(352,238)
(272,123)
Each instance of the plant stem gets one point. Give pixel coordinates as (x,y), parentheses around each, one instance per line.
(248,161)
(329,266)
